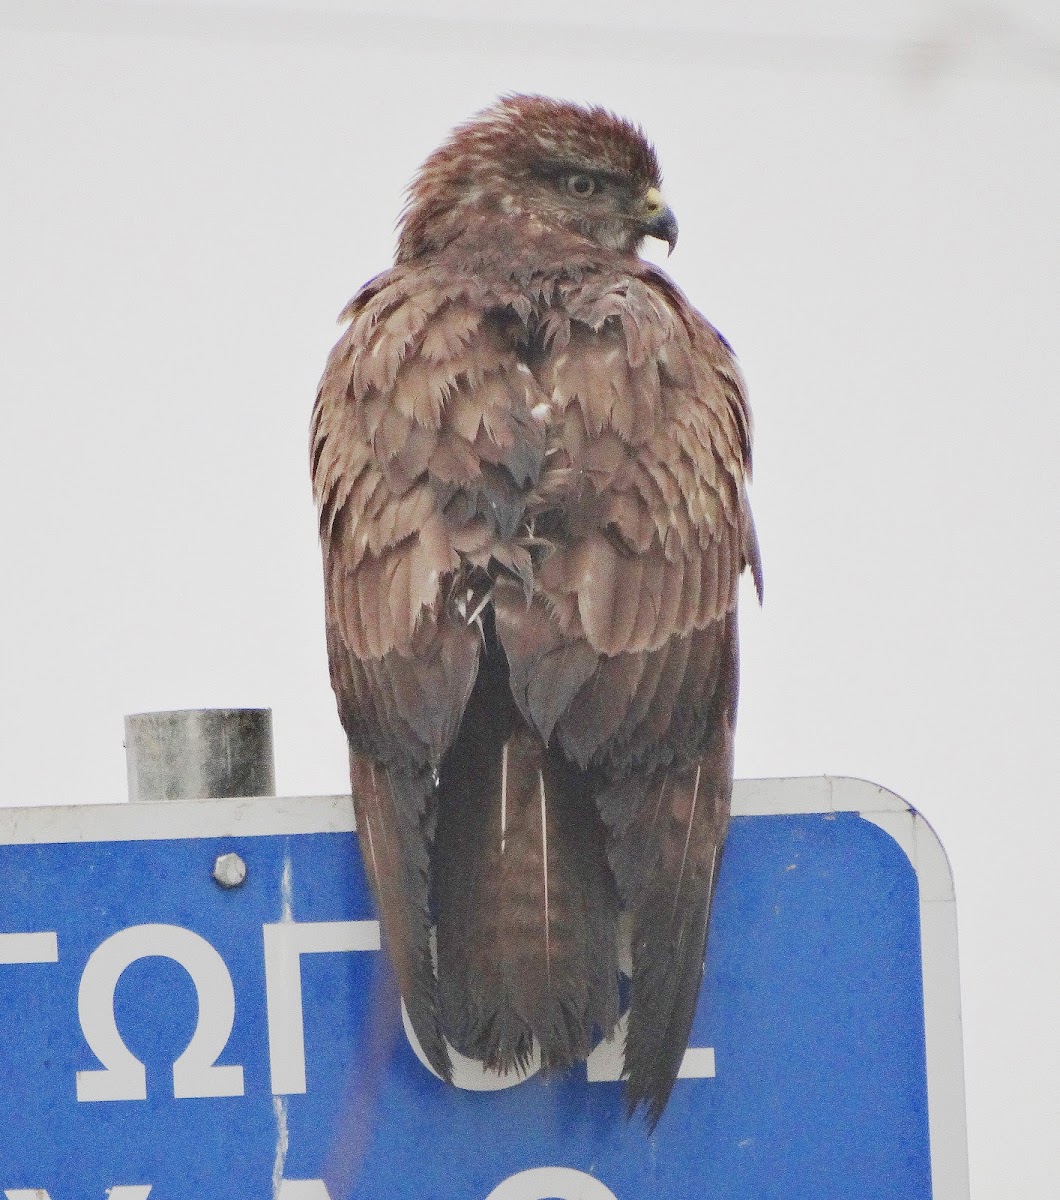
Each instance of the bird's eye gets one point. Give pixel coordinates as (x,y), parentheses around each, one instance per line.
(581,186)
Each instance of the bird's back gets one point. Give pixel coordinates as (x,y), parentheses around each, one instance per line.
(529,457)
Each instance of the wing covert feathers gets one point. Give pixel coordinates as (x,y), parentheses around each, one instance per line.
(531,487)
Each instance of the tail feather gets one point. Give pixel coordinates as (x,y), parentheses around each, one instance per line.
(558,951)
(465,875)
(523,856)
(526,905)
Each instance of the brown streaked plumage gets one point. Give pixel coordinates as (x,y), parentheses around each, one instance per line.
(529,455)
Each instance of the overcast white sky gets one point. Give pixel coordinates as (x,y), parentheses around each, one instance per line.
(868,197)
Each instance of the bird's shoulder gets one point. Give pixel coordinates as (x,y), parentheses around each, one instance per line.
(425,405)
(649,446)
(614,337)
(626,344)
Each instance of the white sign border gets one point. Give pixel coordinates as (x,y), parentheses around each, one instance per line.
(256,816)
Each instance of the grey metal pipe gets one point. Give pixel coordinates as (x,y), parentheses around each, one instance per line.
(198,753)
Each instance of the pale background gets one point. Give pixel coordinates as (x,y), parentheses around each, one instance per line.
(868,197)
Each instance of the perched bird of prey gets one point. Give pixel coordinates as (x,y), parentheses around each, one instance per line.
(529,455)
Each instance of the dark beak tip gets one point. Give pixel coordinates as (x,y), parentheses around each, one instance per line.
(671,233)
(664,227)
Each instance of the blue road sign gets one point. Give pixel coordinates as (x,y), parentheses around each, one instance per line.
(165,1037)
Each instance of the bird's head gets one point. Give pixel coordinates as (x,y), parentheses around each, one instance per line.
(549,164)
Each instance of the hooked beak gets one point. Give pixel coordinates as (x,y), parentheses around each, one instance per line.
(659,220)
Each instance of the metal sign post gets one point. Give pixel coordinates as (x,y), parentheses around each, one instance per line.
(174,1028)
(200,753)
